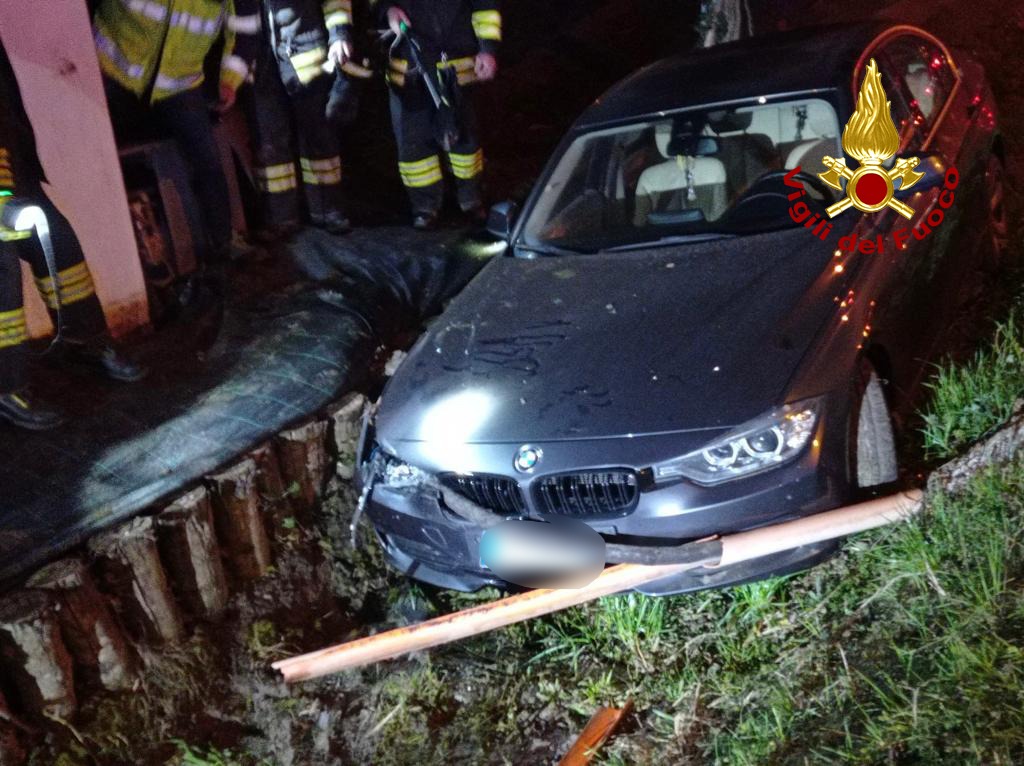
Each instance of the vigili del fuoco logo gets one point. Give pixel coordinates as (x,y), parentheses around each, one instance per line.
(871,138)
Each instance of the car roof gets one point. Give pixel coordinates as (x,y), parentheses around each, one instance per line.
(810,58)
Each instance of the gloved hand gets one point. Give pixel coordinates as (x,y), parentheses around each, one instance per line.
(396,18)
(339,53)
(486,66)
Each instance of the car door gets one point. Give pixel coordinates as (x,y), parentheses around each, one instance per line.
(919,83)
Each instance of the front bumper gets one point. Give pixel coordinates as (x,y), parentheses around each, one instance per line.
(427,541)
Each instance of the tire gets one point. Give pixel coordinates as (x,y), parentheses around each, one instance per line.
(876,462)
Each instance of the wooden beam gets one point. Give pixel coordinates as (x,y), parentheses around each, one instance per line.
(524,606)
(189,549)
(128,561)
(302,453)
(34,655)
(239,519)
(604,723)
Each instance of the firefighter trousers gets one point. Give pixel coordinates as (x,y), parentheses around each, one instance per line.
(419,156)
(80,309)
(275,116)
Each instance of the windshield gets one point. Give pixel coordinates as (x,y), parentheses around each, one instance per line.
(697,173)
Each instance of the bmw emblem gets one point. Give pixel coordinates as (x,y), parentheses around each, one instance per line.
(527,458)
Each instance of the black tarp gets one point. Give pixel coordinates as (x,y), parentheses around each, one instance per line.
(282,356)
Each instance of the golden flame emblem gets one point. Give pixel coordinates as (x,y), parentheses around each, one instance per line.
(871,138)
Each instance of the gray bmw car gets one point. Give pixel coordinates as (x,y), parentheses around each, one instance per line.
(678,341)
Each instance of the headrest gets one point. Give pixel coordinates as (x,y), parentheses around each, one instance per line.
(725,121)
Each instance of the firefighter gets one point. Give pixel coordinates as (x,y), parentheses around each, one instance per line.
(461,39)
(84,331)
(151,53)
(289,97)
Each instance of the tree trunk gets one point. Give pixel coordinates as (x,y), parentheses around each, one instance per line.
(188,546)
(302,452)
(239,519)
(346,420)
(129,564)
(88,625)
(34,655)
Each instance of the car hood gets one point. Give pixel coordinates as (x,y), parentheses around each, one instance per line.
(696,336)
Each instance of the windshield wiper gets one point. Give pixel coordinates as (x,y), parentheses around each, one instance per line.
(675,239)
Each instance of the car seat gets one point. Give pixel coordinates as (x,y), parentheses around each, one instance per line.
(680,183)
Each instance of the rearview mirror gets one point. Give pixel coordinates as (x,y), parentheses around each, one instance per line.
(693,146)
(502,219)
(934,166)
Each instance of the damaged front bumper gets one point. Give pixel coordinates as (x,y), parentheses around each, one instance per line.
(425,538)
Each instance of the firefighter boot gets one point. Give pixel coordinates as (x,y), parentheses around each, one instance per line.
(101,355)
(19,410)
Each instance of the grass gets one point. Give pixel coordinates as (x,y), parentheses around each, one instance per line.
(908,650)
(970,400)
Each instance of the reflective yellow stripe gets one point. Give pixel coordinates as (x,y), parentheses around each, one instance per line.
(308,64)
(75,284)
(338,19)
(68,276)
(321,172)
(331,163)
(13,317)
(13,336)
(466,166)
(420,173)
(487,25)
(322,179)
(429,163)
(459,64)
(277,185)
(271,172)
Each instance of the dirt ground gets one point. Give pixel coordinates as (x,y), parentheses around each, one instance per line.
(213,700)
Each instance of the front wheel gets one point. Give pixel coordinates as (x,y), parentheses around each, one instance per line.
(875,457)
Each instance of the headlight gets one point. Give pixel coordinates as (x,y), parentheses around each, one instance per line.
(398,475)
(760,445)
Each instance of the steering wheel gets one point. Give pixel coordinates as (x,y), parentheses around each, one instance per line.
(768,198)
(774,183)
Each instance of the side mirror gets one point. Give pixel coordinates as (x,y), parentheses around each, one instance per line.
(934,166)
(502,219)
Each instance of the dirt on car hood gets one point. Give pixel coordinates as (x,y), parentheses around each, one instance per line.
(695,336)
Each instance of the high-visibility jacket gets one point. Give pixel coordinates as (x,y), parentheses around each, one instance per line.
(161,44)
(299,32)
(450,33)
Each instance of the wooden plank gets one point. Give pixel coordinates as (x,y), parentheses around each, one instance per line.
(602,725)
(731,549)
